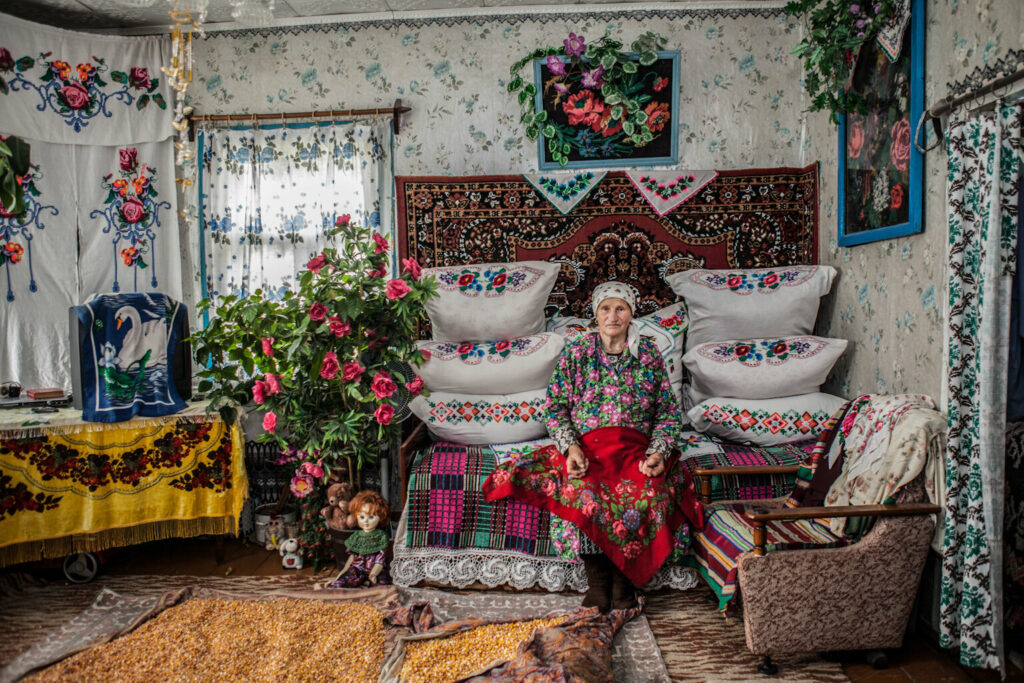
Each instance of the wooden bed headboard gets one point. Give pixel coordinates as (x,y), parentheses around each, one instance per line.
(742,219)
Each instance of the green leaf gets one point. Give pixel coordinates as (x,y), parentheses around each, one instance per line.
(3,86)
(608,61)
(530,89)
(143,101)
(627,127)
(549,131)
(119,76)
(629,67)
(541,116)
(648,58)
(523,96)
(616,112)
(25,63)
(566,148)
(204,386)
(158,99)
(533,131)
(515,84)
(20,151)
(640,118)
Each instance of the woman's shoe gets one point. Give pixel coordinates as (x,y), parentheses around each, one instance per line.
(599,582)
(623,590)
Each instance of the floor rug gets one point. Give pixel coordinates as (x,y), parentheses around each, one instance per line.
(699,644)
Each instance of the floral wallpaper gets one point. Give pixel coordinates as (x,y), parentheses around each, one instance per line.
(741,105)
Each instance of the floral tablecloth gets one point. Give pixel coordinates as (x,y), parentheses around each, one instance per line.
(69,486)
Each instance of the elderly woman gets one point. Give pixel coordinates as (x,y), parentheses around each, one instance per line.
(614,421)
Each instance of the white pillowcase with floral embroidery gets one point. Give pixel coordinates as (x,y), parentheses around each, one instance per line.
(483,418)
(759,302)
(761,368)
(766,421)
(667,326)
(489,301)
(508,366)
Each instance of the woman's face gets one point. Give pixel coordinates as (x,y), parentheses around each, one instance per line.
(613,316)
(366,519)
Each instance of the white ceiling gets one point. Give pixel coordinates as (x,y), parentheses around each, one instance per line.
(128,14)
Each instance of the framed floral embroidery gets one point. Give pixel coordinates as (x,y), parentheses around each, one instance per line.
(880,170)
(587,131)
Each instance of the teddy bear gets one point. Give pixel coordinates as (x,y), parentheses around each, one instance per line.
(336,512)
(274,534)
(289,551)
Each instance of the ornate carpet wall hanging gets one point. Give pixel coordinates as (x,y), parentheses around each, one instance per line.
(741,219)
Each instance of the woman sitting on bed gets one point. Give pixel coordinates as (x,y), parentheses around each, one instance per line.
(614,421)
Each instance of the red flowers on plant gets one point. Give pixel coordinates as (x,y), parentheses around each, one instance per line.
(317,312)
(381,244)
(352,371)
(383,386)
(384,414)
(339,328)
(317,263)
(411,266)
(329,368)
(396,289)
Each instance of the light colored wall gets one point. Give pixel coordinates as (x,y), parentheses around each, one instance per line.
(889,296)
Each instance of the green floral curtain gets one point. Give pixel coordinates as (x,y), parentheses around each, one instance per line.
(984,162)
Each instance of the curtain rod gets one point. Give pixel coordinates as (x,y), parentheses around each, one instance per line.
(944,106)
(396,111)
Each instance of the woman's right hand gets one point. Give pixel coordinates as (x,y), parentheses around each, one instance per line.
(575,462)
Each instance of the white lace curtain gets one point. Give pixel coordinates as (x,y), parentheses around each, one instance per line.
(269,196)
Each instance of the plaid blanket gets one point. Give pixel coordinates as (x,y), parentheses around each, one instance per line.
(446,507)
(752,487)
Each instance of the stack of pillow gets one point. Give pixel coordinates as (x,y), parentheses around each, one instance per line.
(490,360)
(755,367)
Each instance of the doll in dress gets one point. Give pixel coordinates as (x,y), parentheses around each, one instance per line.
(366,547)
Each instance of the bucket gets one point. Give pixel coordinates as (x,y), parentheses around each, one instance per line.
(266,514)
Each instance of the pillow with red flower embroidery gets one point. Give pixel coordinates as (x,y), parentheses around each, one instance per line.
(489,301)
(761,368)
(509,365)
(765,421)
(760,302)
(483,418)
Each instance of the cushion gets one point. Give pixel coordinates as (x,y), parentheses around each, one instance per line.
(510,365)
(765,421)
(482,418)
(761,368)
(488,301)
(667,326)
(759,303)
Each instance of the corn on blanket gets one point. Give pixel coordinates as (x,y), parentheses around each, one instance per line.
(71,491)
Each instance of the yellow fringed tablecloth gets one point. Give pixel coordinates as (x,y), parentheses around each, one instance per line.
(69,486)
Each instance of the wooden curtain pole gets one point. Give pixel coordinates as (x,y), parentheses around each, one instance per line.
(396,112)
(946,105)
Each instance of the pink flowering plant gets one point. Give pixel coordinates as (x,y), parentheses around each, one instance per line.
(324,362)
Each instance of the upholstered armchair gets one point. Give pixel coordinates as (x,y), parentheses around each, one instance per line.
(807,587)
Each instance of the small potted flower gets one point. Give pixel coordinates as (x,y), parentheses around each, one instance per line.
(324,363)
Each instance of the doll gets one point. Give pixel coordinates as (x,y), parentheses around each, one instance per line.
(369,511)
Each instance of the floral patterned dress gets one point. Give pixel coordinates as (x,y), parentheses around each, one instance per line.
(618,411)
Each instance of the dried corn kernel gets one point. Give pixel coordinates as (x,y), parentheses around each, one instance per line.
(446,659)
(232,640)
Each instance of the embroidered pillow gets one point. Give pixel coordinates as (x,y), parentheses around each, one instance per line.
(761,368)
(763,302)
(667,326)
(509,366)
(482,418)
(766,421)
(484,302)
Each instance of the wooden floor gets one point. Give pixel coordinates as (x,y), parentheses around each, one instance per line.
(919,659)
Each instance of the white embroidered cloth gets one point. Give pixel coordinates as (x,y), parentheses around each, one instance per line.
(665,190)
(565,190)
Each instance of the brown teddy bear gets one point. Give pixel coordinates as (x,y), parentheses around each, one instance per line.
(336,512)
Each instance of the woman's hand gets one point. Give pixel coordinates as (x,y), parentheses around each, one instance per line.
(575,462)
(653,466)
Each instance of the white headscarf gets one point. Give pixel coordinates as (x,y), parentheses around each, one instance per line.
(618,290)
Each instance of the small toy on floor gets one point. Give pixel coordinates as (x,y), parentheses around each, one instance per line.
(289,550)
(366,547)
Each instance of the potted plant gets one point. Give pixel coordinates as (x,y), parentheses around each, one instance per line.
(14,165)
(325,362)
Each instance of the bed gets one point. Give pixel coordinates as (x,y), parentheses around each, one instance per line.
(447,534)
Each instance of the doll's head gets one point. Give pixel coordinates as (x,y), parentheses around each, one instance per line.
(367,510)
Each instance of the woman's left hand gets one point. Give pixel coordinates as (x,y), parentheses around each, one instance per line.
(653,466)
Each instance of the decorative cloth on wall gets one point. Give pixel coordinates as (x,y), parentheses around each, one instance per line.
(890,37)
(665,190)
(79,88)
(127,354)
(270,196)
(565,190)
(984,163)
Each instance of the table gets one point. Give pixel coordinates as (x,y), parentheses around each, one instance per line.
(68,486)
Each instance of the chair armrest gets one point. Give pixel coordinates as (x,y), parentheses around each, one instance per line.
(759,516)
(702,476)
(412,443)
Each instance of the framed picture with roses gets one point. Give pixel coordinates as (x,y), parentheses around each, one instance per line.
(880,169)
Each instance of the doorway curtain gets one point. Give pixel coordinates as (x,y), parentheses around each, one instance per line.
(984,163)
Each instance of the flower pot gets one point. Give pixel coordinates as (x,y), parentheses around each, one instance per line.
(265,514)
(338,539)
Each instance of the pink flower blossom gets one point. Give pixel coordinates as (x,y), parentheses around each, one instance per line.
(128,158)
(555,65)
(382,385)
(343,219)
(619,528)
(384,414)
(592,79)
(352,371)
(412,267)
(590,508)
(380,244)
(500,477)
(76,95)
(317,263)
(339,328)
(317,312)
(329,369)
(268,347)
(569,492)
(574,45)
(270,422)
(302,485)
(548,487)
(377,272)
(259,390)
(425,353)
(133,210)
(415,387)
(138,77)
(396,289)
(273,384)
(313,469)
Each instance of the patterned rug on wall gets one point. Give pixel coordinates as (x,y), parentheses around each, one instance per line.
(741,219)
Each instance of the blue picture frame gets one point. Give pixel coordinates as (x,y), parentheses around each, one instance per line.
(663,150)
(867,150)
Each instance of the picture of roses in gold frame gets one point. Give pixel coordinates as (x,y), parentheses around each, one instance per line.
(880,170)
